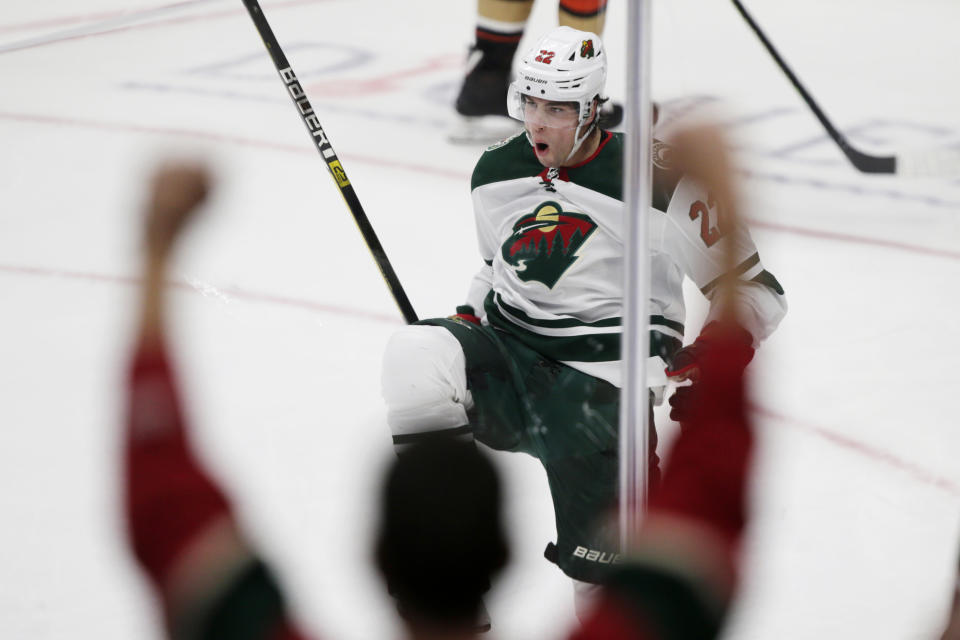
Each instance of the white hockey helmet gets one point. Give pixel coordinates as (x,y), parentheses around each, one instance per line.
(566,65)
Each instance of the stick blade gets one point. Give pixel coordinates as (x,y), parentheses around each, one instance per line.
(929,163)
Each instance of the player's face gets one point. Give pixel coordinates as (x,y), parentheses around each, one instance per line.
(552,127)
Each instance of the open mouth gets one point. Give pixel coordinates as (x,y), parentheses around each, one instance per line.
(541,146)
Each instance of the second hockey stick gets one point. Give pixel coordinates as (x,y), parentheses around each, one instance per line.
(933,163)
(334,166)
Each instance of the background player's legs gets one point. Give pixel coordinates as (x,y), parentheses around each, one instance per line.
(590,15)
(500,25)
(584,15)
(482,100)
(424,385)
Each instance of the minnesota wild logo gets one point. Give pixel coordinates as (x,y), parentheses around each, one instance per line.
(586,49)
(544,243)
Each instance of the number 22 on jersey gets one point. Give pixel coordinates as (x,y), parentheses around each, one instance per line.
(709,233)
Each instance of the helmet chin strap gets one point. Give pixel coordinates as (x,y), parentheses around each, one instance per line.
(577,138)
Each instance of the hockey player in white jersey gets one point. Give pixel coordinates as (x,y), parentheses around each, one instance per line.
(531,362)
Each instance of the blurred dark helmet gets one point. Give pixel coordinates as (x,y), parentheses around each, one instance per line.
(441,535)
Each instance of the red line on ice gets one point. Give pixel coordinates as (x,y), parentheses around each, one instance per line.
(844,237)
(89,17)
(877,455)
(54,22)
(245,142)
(461,176)
(380,84)
(151,25)
(231,292)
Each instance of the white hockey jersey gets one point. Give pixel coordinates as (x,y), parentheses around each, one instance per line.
(552,244)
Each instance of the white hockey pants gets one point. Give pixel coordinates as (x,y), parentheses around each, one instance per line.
(424,384)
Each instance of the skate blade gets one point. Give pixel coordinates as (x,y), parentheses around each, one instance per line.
(485,130)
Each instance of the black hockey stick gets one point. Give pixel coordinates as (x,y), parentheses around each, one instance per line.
(934,163)
(312,123)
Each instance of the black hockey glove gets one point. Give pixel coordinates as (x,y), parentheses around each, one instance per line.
(685,364)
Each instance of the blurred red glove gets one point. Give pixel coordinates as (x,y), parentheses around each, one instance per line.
(737,352)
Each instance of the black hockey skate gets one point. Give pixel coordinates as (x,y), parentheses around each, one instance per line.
(482,105)
(484,93)
(611,115)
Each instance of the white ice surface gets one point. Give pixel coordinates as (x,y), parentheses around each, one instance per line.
(281,318)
